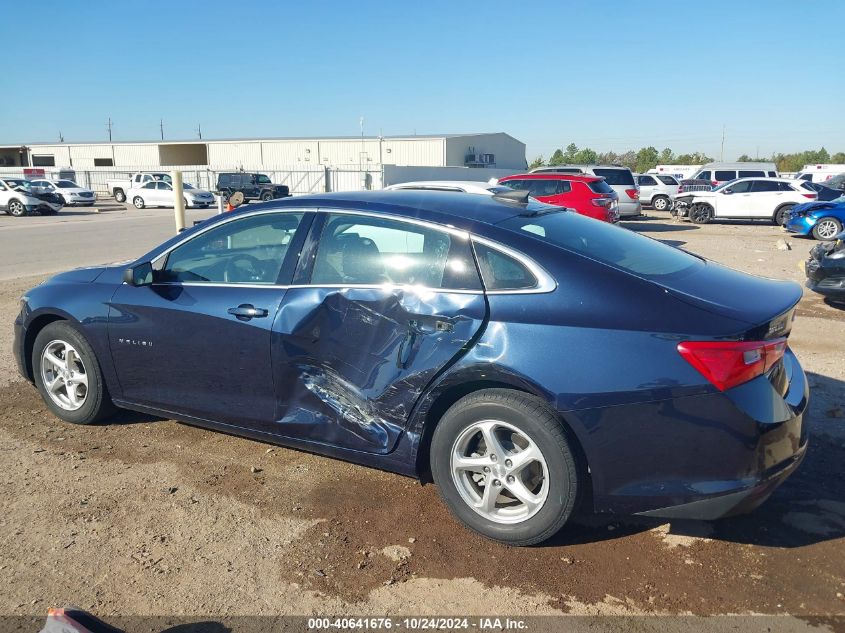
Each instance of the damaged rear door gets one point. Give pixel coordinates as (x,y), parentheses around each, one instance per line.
(379,307)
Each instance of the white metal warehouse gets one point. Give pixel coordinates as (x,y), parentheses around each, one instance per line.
(494,150)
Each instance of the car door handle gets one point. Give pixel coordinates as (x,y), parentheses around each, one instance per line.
(247,311)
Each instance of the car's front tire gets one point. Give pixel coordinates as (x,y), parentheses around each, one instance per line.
(138,202)
(826,229)
(68,376)
(505,466)
(700,213)
(266,197)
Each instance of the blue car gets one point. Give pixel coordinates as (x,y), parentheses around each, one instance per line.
(529,360)
(822,220)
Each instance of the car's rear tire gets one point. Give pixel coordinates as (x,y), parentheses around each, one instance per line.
(826,229)
(779,216)
(119,195)
(138,202)
(700,213)
(661,203)
(476,462)
(68,376)
(16,208)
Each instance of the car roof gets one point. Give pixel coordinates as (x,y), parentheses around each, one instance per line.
(441,183)
(449,208)
(555,175)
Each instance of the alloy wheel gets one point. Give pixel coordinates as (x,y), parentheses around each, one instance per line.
(660,204)
(826,229)
(499,472)
(64,375)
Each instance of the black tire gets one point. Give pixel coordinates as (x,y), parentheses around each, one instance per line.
(119,195)
(831,227)
(97,404)
(700,213)
(16,208)
(138,202)
(661,203)
(266,197)
(533,418)
(778,217)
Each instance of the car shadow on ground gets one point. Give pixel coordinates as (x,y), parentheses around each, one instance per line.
(659,227)
(808,508)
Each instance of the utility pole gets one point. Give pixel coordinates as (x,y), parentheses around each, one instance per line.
(722,153)
(61,138)
(108,125)
(161,127)
(199,130)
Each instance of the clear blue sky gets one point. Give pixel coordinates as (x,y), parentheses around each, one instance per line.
(610,75)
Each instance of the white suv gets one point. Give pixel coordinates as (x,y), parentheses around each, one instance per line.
(745,198)
(18,199)
(657,190)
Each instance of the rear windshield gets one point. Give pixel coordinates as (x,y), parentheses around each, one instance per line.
(809,187)
(600,186)
(613,176)
(608,244)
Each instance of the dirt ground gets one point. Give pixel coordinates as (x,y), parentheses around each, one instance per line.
(146,516)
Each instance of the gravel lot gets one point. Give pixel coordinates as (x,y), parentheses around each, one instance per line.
(148,516)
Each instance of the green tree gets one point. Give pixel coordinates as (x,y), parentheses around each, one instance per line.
(557,158)
(537,162)
(629,159)
(607,158)
(585,156)
(647,158)
(838,158)
(571,151)
(667,157)
(745,158)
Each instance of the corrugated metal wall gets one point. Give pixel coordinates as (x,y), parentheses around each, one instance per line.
(509,153)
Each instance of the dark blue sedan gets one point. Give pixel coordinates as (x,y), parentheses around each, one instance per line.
(822,220)
(528,359)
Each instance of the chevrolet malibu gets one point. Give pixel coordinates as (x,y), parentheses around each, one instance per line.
(529,360)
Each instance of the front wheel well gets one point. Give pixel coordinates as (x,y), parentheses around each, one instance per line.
(38,324)
(451,395)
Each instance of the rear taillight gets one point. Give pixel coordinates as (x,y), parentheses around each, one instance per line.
(604,201)
(680,188)
(727,364)
(633,194)
(811,196)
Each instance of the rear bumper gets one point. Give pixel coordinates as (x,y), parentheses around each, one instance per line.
(629,208)
(733,503)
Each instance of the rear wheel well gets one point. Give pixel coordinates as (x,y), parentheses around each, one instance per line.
(455,393)
(38,324)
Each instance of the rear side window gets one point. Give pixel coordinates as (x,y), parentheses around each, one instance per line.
(726,175)
(600,186)
(773,174)
(764,186)
(752,173)
(502,272)
(668,180)
(615,175)
(608,244)
(540,188)
(646,181)
(808,186)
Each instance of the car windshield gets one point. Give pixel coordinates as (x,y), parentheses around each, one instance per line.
(19,183)
(612,245)
(187,186)
(67,184)
(615,175)
(262,180)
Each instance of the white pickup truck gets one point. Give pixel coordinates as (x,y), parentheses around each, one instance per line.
(119,188)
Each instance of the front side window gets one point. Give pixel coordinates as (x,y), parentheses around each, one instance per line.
(149,185)
(362,250)
(743,186)
(705,175)
(263,180)
(249,250)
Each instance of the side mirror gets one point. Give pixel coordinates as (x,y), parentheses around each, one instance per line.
(139,275)
(727,191)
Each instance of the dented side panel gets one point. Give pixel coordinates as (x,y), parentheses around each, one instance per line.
(350,363)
